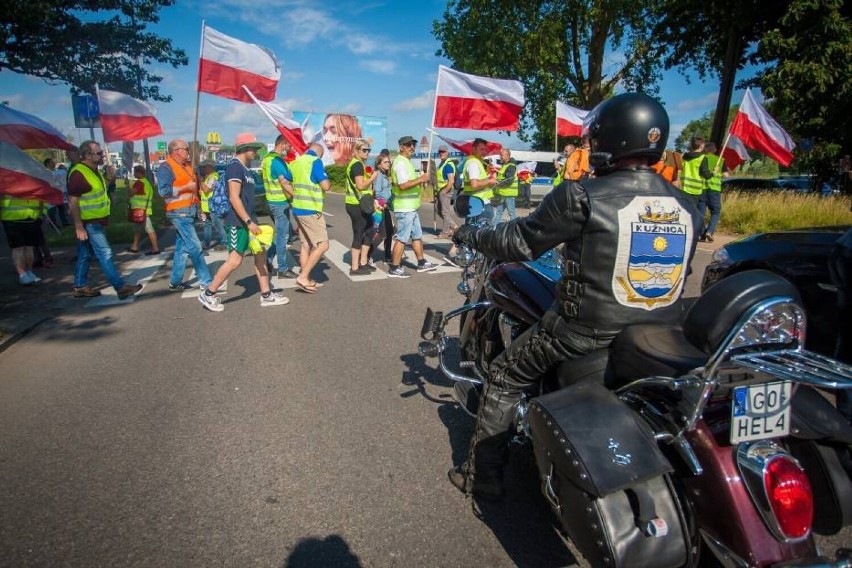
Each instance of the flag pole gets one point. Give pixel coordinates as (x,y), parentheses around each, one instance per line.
(722,153)
(197,98)
(555,128)
(431,130)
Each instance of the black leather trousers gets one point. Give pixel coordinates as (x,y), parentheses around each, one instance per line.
(550,341)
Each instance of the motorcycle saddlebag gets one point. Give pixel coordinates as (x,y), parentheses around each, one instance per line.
(606,479)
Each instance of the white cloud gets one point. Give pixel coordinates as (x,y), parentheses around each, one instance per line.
(351,108)
(381,66)
(422,101)
(706,102)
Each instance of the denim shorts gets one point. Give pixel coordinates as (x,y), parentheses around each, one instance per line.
(408,227)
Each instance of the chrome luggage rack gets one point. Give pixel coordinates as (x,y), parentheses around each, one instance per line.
(799,366)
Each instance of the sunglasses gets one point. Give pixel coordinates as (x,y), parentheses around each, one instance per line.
(366,150)
(101,153)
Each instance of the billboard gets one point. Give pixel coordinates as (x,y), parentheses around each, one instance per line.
(338,133)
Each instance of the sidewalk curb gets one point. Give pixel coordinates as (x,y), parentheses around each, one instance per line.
(13,338)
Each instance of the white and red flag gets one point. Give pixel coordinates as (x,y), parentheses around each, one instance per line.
(466,146)
(29,132)
(228,63)
(569,120)
(735,153)
(283,120)
(124,118)
(21,176)
(477,103)
(759,131)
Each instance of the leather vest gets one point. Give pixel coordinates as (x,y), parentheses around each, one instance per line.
(630,263)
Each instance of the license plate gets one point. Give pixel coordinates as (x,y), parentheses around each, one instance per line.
(761,411)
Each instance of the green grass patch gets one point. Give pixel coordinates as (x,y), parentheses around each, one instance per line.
(119,230)
(749,213)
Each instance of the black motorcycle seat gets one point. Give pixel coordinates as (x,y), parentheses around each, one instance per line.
(709,321)
(645,350)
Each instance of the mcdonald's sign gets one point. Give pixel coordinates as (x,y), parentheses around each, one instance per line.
(214,138)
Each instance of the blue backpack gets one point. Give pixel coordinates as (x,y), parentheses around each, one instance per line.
(220,201)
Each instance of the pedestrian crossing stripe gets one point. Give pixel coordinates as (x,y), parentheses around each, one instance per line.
(215,259)
(139,271)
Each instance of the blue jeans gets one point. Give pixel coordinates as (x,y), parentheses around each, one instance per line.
(487,215)
(714,203)
(213,223)
(96,246)
(188,245)
(280,213)
(509,204)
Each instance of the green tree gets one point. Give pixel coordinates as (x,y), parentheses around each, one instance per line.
(83,42)
(701,127)
(576,51)
(809,87)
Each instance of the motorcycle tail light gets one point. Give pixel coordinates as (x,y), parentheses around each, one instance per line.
(789,493)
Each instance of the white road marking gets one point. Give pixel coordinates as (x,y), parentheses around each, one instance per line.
(139,271)
(214,259)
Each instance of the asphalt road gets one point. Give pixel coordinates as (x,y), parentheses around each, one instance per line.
(156,433)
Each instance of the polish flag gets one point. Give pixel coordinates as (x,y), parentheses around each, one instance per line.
(477,103)
(569,120)
(21,176)
(283,120)
(29,132)
(735,153)
(124,118)
(466,146)
(228,63)
(759,131)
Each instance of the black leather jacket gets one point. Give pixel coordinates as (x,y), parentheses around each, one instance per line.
(628,237)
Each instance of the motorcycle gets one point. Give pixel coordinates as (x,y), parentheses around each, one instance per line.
(682,444)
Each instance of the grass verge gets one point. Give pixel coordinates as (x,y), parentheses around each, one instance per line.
(749,213)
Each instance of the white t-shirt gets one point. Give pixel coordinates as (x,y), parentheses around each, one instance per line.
(473,170)
(401,170)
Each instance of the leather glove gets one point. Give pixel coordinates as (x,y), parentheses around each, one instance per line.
(463,235)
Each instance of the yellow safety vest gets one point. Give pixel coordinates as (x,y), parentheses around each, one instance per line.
(692,182)
(715,182)
(205,192)
(94,204)
(404,200)
(484,194)
(274,192)
(17,209)
(442,181)
(306,194)
(352,192)
(140,201)
(512,189)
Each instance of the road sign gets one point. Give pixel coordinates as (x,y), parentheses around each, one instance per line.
(86,112)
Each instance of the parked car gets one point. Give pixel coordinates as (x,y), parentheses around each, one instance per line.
(260,206)
(797,184)
(800,256)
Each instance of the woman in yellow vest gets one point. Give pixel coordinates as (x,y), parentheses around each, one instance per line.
(359,181)
(141,196)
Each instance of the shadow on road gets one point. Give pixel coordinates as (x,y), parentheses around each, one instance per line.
(329,551)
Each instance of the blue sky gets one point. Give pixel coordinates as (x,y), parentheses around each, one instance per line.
(371,57)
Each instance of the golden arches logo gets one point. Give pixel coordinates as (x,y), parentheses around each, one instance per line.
(214,138)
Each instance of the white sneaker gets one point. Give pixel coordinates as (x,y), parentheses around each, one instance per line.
(34,277)
(371,262)
(274,299)
(212,303)
(426,266)
(26,279)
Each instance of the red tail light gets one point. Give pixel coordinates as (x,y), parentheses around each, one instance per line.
(789,493)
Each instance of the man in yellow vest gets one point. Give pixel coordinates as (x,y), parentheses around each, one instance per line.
(713,195)
(477,182)
(446,176)
(559,163)
(22,223)
(506,194)
(279,192)
(696,172)
(405,187)
(310,182)
(212,223)
(142,197)
(90,209)
(177,185)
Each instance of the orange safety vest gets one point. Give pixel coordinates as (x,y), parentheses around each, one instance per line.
(186,198)
(665,170)
(577,165)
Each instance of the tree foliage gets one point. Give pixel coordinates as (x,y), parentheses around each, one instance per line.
(808,85)
(83,42)
(700,127)
(576,51)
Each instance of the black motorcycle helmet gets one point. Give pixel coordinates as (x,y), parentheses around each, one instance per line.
(632,125)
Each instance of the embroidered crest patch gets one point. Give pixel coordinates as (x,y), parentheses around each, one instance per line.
(650,266)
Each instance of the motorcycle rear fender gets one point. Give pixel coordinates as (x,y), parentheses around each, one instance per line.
(830,483)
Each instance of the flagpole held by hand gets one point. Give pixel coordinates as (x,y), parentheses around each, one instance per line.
(722,153)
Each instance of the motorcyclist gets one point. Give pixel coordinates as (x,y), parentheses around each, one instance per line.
(629,236)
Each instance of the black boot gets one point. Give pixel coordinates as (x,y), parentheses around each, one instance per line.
(484,476)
